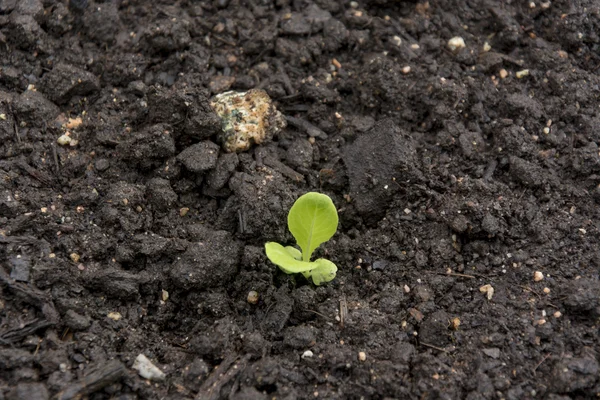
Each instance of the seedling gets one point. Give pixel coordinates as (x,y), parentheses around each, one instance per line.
(312,220)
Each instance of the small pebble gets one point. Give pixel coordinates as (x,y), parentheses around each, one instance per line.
(487,289)
(486,47)
(75,257)
(64,140)
(252,297)
(557,314)
(307,354)
(115,316)
(456,43)
(538,276)
(406,70)
(164,295)
(102,164)
(362,356)
(521,74)
(146,369)
(73,123)
(503,73)
(547,290)
(183,211)
(406,289)
(455,323)
(397,41)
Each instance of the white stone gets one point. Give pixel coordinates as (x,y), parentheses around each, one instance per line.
(456,43)
(146,369)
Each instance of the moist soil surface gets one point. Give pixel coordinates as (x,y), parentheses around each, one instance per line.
(465,172)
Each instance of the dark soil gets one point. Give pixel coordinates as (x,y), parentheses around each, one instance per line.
(142,237)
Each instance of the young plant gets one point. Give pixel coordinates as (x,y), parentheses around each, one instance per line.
(312,220)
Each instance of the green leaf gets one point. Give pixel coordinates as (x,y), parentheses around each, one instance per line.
(324,272)
(294,252)
(281,257)
(312,220)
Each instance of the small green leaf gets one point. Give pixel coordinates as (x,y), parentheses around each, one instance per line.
(312,220)
(324,272)
(294,252)
(281,257)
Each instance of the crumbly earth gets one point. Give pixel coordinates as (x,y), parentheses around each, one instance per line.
(452,170)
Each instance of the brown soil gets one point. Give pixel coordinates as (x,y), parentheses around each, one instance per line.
(451,171)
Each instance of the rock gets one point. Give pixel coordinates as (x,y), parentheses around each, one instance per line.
(208,263)
(221,83)
(434,329)
(160,194)
(76,321)
(574,374)
(147,370)
(299,337)
(423,293)
(66,81)
(200,157)
(493,352)
(300,154)
(34,109)
(154,142)
(102,164)
(247,118)
(377,163)
(226,165)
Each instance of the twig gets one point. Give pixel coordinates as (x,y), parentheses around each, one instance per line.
(229,42)
(318,313)
(541,362)
(343,310)
(528,289)
(459,275)
(433,347)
